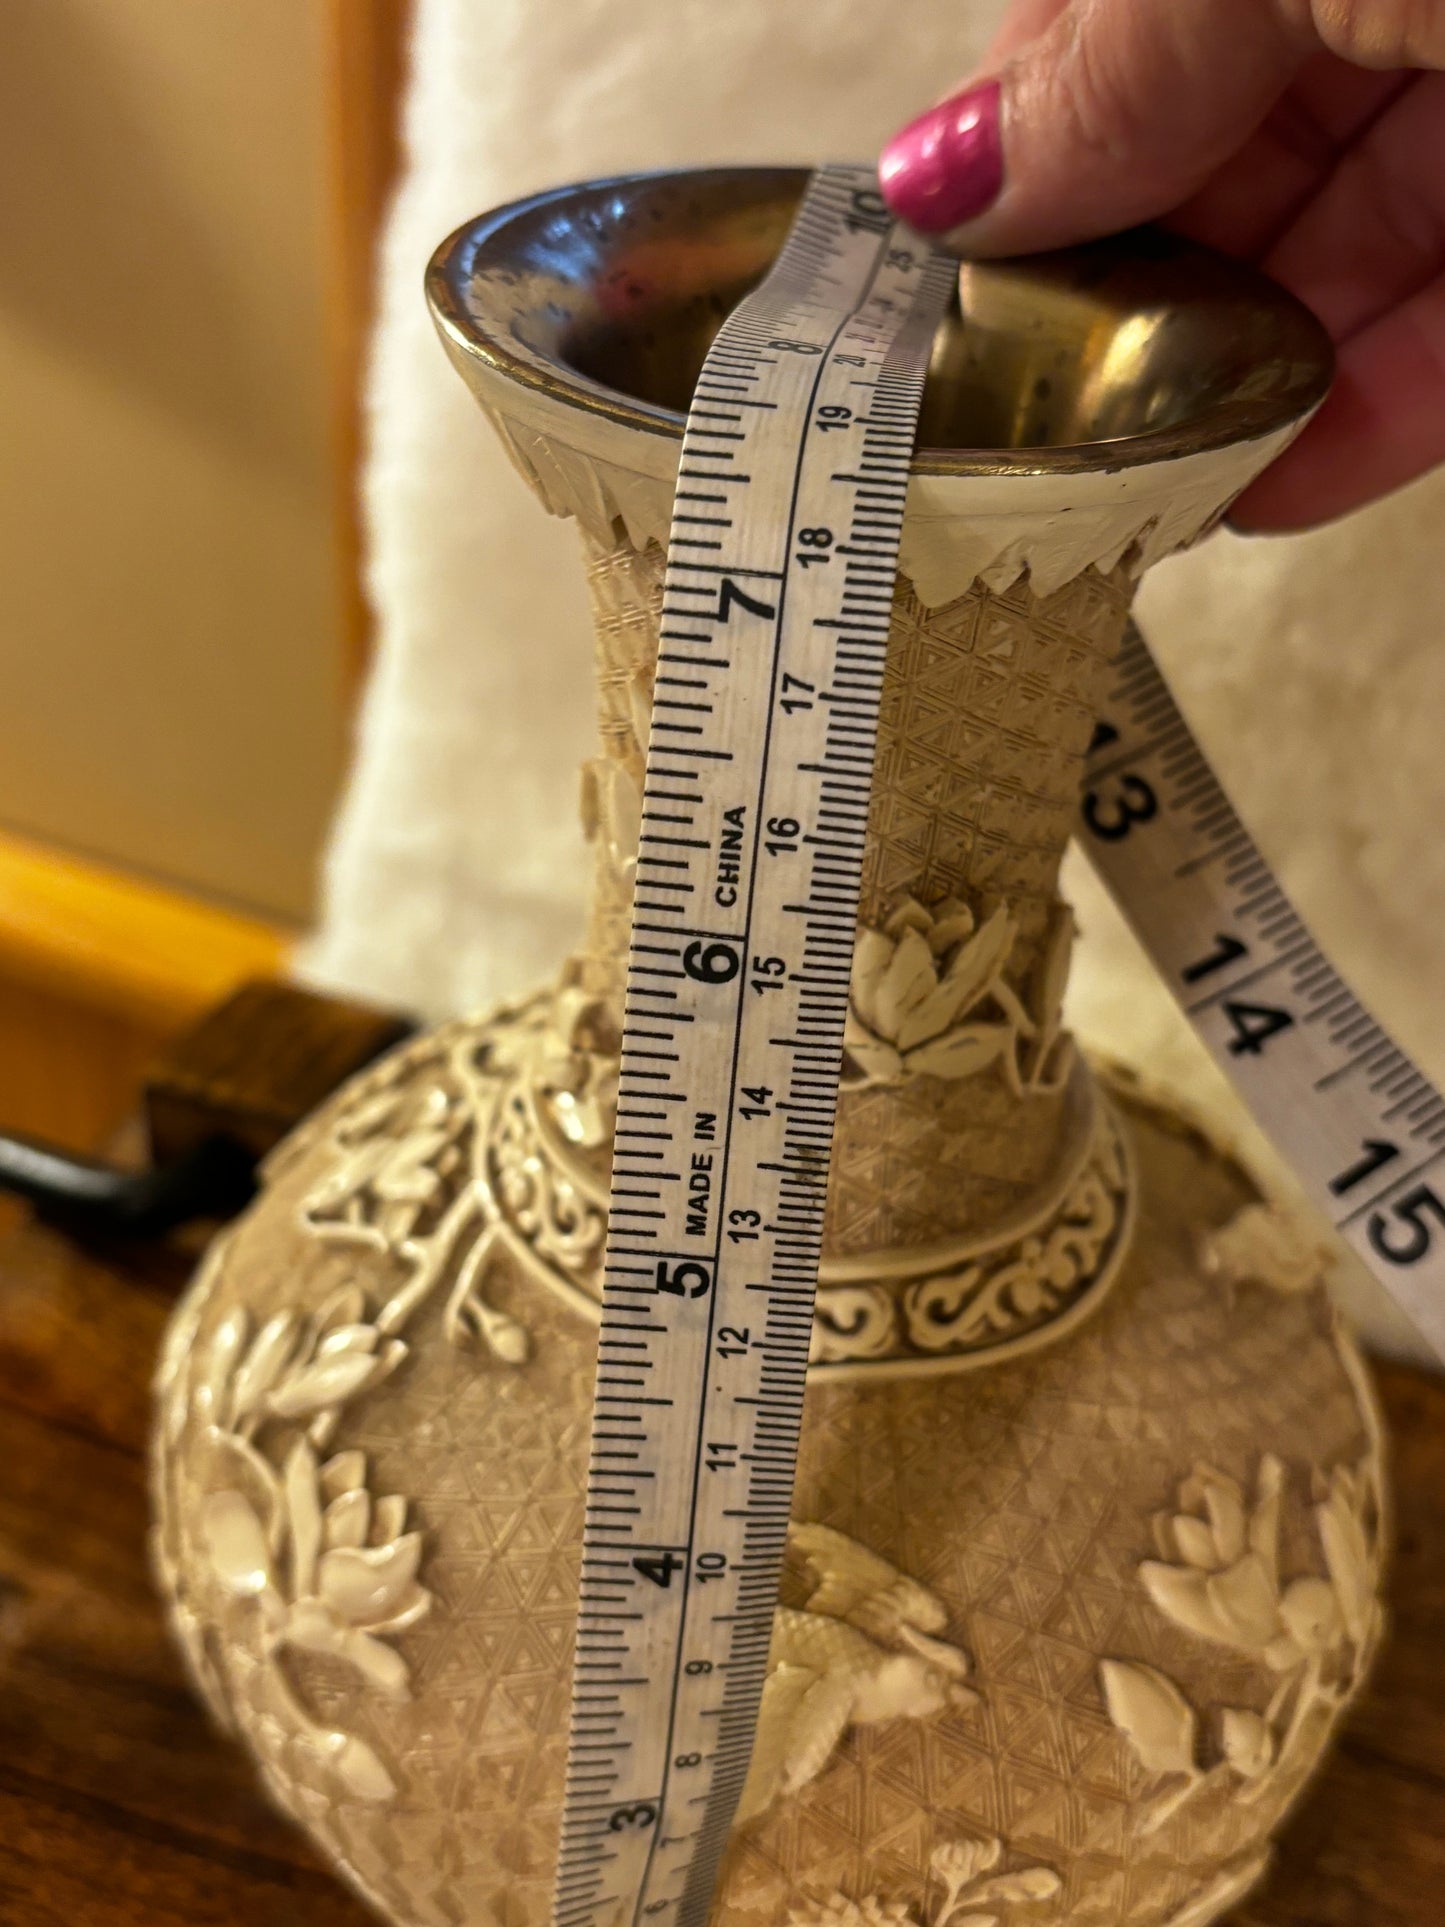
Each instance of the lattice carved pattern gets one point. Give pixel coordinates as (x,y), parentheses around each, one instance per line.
(988,704)
(1019,1500)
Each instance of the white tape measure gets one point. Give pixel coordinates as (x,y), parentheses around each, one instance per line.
(775,617)
(774,629)
(1362,1127)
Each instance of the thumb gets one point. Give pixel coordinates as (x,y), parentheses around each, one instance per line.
(1115,113)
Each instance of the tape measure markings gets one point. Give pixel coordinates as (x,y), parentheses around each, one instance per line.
(1359,1121)
(754,805)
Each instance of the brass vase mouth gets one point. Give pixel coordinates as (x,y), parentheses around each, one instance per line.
(606,295)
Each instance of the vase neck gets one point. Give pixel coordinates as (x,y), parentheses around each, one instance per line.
(988,706)
(960,1101)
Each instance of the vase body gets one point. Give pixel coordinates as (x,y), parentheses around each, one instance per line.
(1086,1458)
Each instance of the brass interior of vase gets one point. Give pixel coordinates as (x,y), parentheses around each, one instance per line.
(1133,349)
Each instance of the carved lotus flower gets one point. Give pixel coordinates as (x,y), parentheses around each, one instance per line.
(928,997)
(332,1571)
(1315,1633)
(1226,1586)
(915,985)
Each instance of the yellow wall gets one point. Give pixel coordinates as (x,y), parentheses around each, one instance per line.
(169,649)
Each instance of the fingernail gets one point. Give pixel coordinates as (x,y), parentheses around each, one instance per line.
(946,167)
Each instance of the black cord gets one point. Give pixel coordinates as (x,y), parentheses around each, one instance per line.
(81,1194)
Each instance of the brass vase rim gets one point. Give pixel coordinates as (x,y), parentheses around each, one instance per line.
(499,287)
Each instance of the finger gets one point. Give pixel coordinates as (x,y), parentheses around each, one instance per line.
(1375,233)
(1024,21)
(1248,202)
(1383,424)
(1116,113)
(1383,33)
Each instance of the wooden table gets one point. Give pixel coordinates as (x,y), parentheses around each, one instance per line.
(119,1807)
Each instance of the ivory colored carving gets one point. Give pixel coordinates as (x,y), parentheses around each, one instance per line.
(1089,1514)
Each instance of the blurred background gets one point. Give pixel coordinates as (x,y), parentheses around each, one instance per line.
(190,199)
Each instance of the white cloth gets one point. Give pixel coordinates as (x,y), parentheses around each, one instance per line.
(1311,667)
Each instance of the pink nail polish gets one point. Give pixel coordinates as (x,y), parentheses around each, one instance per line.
(946,167)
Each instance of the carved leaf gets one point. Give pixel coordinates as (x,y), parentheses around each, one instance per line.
(348,1338)
(347,1304)
(1153,1715)
(218,1361)
(1053,974)
(910,915)
(1246,1602)
(972,971)
(406,1176)
(871,957)
(346,1472)
(1347,1555)
(504,1337)
(953,923)
(962,1053)
(364,1584)
(303,1514)
(1178,1592)
(235,1544)
(388,1519)
(1224,1503)
(266,1497)
(1008,1003)
(1161,1528)
(873,1057)
(1194,1541)
(619,808)
(361,1772)
(1055,1063)
(263,1364)
(380,1665)
(1247,1740)
(348,1520)
(1264,1520)
(588,808)
(977,962)
(415,1603)
(909,978)
(1032,1883)
(330,1381)
(1236,1608)
(639,703)
(933,1013)
(1212,1492)
(1311,1610)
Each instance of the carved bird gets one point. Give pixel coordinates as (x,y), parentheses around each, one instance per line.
(862,1649)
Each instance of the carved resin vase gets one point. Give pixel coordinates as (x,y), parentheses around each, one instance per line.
(1089,1509)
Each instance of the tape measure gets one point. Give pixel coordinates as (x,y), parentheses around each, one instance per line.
(774,628)
(1361,1125)
(775,617)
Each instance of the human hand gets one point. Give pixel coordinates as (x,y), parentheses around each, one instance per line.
(1306,136)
